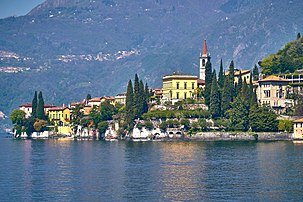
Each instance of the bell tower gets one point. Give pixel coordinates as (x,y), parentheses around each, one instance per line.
(204,58)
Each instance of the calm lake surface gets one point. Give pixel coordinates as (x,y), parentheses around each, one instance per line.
(51,170)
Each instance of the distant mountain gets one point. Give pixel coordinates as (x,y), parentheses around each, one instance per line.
(68,48)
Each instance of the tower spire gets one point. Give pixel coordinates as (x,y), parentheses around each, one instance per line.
(204,52)
(204,58)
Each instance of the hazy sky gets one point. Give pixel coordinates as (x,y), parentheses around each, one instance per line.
(17,7)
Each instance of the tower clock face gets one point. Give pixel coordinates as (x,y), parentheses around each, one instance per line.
(203,62)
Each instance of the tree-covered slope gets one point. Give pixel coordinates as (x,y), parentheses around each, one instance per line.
(286,60)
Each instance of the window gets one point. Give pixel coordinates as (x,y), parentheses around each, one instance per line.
(185,85)
(203,62)
(177,85)
(192,85)
(267,93)
(185,95)
(177,95)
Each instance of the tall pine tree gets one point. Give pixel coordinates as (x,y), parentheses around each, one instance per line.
(208,81)
(255,73)
(145,104)
(239,84)
(226,96)
(141,99)
(34,105)
(221,75)
(136,103)
(231,76)
(238,114)
(215,108)
(40,107)
(129,103)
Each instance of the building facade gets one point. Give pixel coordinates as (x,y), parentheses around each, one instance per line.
(27,108)
(298,129)
(273,91)
(245,74)
(179,86)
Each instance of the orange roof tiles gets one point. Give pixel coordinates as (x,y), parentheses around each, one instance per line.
(273,78)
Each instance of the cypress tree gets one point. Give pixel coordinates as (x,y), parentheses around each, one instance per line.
(34,105)
(141,99)
(226,96)
(245,91)
(253,99)
(239,84)
(88,97)
(136,101)
(298,35)
(145,104)
(208,81)
(215,108)
(129,102)
(40,107)
(238,114)
(255,73)
(221,75)
(231,76)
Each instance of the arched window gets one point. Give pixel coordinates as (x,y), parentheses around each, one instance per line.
(203,62)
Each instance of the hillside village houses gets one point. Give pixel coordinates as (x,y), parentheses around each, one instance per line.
(272,91)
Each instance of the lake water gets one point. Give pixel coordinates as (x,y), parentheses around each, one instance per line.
(51,170)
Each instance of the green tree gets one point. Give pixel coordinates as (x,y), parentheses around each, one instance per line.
(102,127)
(263,119)
(107,111)
(40,107)
(208,80)
(255,73)
(129,115)
(231,75)
(299,105)
(136,103)
(34,105)
(95,115)
(253,99)
(238,115)
(285,125)
(226,97)
(185,123)
(17,117)
(245,91)
(298,36)
(88,97)
(239,85)
(215,108)
(141,99)
(149,125)
(147,98)
(221,76)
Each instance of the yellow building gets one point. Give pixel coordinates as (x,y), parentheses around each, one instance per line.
(61,117)
(179,86)
(298,129)
(120,99)
(273,91)
(245,74)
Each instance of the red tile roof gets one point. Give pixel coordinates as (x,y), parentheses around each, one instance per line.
(274,78)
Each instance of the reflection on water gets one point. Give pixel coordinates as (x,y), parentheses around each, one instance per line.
(155,171)
(180,162)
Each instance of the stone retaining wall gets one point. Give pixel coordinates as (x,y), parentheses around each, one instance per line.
(239,136)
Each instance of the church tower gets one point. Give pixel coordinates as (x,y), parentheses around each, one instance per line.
(204,58)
